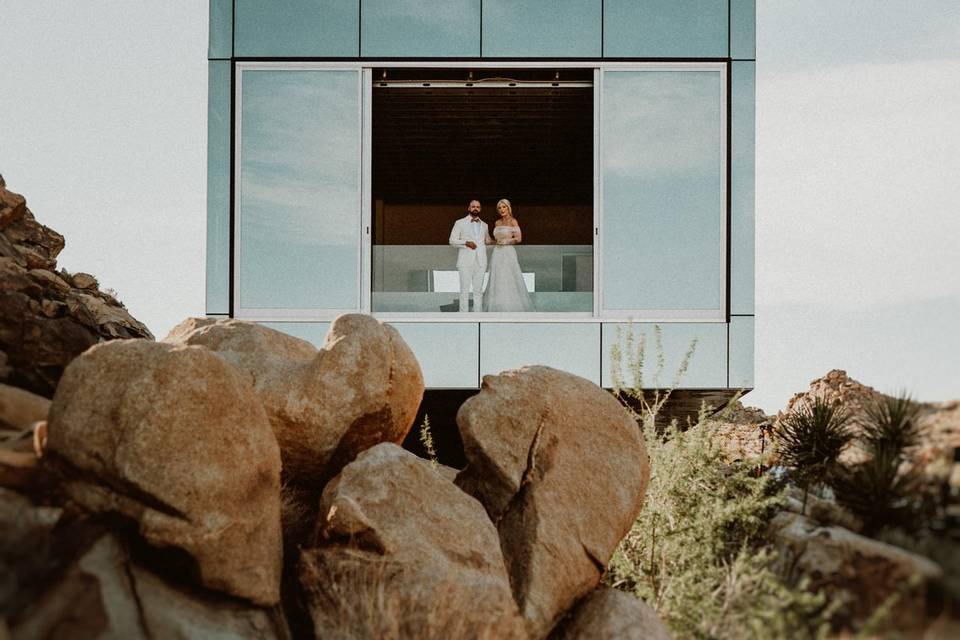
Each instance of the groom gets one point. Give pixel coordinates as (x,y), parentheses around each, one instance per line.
(471,235)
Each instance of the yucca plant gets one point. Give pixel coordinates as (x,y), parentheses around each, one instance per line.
(881,491)
(893,424)
(810,440)
(877,492)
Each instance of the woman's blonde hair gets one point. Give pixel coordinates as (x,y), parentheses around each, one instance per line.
(509,206)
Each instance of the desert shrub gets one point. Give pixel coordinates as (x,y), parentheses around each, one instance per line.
(892,425)
(810,440)
(883,491)
(426,439)
(699,553)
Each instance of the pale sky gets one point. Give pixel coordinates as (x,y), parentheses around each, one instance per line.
(103,129)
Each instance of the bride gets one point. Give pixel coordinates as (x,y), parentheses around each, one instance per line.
(506,290)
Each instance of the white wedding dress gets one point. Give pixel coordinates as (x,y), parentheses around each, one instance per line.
(506,290)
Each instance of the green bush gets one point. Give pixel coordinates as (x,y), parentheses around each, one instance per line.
(699,552)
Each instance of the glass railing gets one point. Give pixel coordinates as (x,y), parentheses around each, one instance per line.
(424,278)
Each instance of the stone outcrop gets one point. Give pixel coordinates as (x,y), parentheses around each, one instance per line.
(608,614)
(561,469)
(859,573)
(402,552)
(106,594)
(175,439)
(362,387)
(47,317)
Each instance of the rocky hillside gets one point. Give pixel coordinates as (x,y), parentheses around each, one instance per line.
(47,316)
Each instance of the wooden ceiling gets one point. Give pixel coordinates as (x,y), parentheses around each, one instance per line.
(525,143)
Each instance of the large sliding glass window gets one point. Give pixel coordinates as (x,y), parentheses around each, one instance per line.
(349,180)
(664,193)
(298,194)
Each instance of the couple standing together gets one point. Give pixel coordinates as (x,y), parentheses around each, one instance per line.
(506,290)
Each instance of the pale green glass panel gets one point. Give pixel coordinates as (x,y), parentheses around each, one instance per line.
(448,352)
(405,28)
(663,206)
(741,352)
(218,187)
(742,187)
(572,347)
(313,332)
(297,28)
(299,190)
(542,28)
(706,367)
(665,28)
(743,29)
(221,29)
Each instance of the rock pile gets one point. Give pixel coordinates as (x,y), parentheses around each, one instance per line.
(161,512)
(47,317)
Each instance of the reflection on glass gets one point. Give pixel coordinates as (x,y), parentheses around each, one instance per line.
(413,28)
(299,190)
(662,191)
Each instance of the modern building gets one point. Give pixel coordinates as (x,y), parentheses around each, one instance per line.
(347,136)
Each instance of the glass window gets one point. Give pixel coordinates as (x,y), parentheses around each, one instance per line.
(297,28)
(663,193)
(299,190)
(442,138)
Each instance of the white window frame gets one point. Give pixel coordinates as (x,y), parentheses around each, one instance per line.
(364,270)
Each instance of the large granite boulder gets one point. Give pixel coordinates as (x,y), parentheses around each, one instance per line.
(104,593)
(858,573)
(609,614)
(362,387)
(403,553)
(47,317)
(562,470)
(176,440)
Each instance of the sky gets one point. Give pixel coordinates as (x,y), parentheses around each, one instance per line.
(103,129)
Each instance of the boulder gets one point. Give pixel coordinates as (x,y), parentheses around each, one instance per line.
(561,469)
(19,408)
(176,440)
(362,387)
(402,552)
(106,594)
(26,548)
(609,614)
(860,573)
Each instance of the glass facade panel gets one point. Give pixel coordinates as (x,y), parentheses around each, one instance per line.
(743,29)
(742,186)
(707,368)
(299,195)
(221,29)
(218,187)
(420,29)
(511,345)
(313,332)
(741,352)
(541,28)
(663,181)
(297,28)
(447,352)
(664,28)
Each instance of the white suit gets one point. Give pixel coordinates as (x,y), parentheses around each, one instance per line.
(471,263)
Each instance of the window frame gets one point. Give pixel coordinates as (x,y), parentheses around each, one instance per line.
(365,249)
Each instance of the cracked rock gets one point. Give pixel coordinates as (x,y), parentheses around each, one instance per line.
(362,387)
(562,470)
(174,439)
(403,553)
